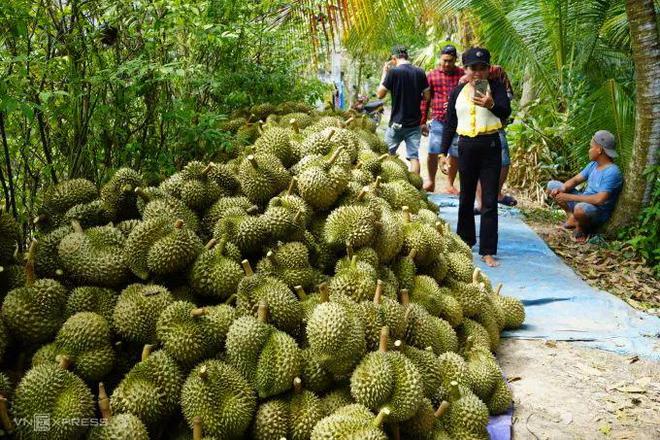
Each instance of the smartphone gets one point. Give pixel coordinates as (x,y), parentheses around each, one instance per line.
(481,86)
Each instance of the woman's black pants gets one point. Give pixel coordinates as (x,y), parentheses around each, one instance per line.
(479,159)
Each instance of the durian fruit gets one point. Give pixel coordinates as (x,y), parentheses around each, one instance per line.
(436,300)
(95,213)
(126,226)
(167,207)
(247,232)
(216,274)
(224,174)
(400,193)
(94,256)
(295,204)
(276,141)
(282,223)
(483,371)
(513,309)
(193,186)
(221,397)
(424,239)
(459,267)
(49,392)
(321,185)
(428,365)
(92,299)
(9,236)
(393,169)
(266,357)
(453,367)
(351,422)
(137,310)
(151,389)
(11,277)
(424,422)
(4,341)
(455,244)
(315,377)
(189,333)
(467,416)
(262,176)
(290,263)
(379,312)
(119,194)
(84,344)
(472,329)
(161,247)
(349,226)
(387,380)
(293,417)
(284,309)
(424,330)
(389,236)
(59,198)
(470,295)
(222,205)
(117,427)
(335,334)
(355,279)
(501,399)
(336,399)
(317,141)
(47,262)
(35,312)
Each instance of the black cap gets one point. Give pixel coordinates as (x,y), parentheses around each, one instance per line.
(476,55)
(400,51)
(449,50)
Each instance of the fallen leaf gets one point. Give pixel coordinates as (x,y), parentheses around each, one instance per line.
(551,344)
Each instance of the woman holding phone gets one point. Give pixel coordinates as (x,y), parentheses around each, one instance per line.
(475,112)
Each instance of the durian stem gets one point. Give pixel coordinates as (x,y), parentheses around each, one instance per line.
(294,125)
(104,403)
(349,120)
(208,169)
(349,250)
(300,292)
(262,312)
(440,228)
(247,268)
(398,345)
(412,254)
(204,372)
(379,292)
(454,391)
(377,182)
(252,209)
(270,258)
(178,224)
(146,351)
(380,418)
(292,185)
(142,194)
(297,385)
(406,214)
(211,244)
(362,194)
(296,218)
(38,219)
(231,299)
(201,311)
(475,275)
(324,292)
(498,289)
(442,409)
(382,157)
(332,133)
(2,269)
(30,276)
(252,160)
(384,338)
(76,226)
(63,361)
(335,155)
(260,126)
(6,421)
(197,428)
(404,297)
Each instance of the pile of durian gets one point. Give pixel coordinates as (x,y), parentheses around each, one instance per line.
(305,288)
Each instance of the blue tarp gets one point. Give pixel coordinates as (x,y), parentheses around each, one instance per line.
(559,305)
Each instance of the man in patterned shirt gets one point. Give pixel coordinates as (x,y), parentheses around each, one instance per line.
(442,81)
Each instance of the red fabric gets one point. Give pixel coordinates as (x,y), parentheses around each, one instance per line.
(441,84)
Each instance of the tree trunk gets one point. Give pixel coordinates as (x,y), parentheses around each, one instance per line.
(646,55)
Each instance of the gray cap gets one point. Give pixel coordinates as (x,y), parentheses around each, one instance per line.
(607,141)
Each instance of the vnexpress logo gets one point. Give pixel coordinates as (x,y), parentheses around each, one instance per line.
(41,423)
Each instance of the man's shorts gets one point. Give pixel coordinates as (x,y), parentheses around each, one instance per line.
(412,136)
(506,159)
(595,214)
(435,139)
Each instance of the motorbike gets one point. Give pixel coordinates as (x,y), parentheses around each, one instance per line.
(374,109)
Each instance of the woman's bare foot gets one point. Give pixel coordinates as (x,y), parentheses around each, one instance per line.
(490,261)
(429,186)
(451,190)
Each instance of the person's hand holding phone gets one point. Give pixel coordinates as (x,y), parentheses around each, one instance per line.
(483,100)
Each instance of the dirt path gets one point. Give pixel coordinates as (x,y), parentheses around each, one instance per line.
(565,391)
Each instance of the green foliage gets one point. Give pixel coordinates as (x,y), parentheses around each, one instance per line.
(644,235)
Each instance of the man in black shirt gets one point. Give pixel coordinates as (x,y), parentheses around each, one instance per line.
(408,85)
